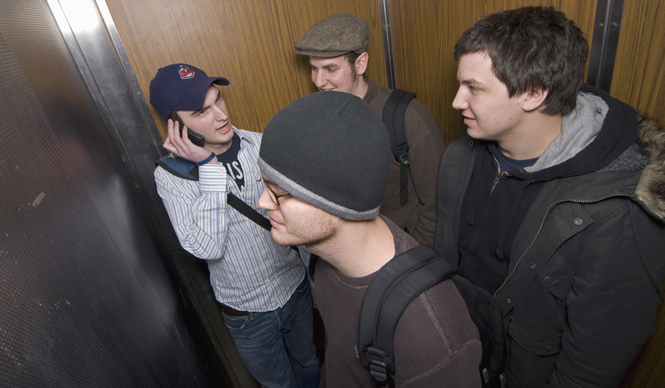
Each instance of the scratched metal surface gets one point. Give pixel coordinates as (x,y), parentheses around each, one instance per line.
(85,299)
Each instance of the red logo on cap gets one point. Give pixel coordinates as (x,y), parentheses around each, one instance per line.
(186,72)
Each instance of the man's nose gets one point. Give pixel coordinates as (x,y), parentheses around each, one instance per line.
(220,115)
(265,202)
(459,102)
(319,79)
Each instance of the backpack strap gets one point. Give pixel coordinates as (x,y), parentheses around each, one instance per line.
(186,169)
(182,168)
(248,211)
(393,119)
(395,285)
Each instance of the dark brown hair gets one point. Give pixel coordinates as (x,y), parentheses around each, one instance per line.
(351,57)
(532,48)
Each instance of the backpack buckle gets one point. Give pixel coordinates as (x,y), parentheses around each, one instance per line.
(493,381)
(405,161)
(402,154)
(380,367)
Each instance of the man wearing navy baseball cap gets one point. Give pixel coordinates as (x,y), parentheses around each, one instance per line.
(262,288)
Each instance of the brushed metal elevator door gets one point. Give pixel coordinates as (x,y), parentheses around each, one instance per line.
(85,300)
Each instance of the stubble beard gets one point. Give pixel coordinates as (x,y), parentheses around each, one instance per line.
(312,234)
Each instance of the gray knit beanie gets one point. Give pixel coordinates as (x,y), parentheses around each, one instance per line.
(331,150)
(334,36)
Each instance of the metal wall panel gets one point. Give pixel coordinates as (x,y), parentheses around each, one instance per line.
(85,299)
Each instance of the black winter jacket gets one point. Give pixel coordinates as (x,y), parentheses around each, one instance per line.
(587,264)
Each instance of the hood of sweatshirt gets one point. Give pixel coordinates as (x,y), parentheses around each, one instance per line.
(592,136)
(605,134)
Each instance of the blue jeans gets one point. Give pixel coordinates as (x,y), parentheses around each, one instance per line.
(277,347)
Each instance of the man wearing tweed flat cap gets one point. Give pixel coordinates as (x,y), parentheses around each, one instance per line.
(337,47)
(325,161)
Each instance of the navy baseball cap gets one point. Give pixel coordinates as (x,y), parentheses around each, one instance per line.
(180,87)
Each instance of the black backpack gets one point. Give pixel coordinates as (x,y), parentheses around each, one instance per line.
(399,282)
(393,119)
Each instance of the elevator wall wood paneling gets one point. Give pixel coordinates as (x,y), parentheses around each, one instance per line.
(249,42)
(639,79)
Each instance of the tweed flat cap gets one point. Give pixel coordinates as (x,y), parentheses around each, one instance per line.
(334,36)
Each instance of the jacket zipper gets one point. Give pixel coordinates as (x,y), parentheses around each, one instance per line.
(498,175)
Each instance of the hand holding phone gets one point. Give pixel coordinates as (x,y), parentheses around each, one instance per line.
(175,142)
(196,138)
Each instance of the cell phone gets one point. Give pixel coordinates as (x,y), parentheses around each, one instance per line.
(196,138)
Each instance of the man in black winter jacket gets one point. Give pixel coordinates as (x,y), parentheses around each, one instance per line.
(551,202)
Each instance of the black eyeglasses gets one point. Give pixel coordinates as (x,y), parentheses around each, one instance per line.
(274,197)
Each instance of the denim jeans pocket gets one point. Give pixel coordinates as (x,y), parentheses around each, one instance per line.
(235,323)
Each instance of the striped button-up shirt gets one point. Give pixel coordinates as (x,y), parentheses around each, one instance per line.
(248,271)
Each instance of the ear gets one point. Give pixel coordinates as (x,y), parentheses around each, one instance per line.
(361,63)
(534,99)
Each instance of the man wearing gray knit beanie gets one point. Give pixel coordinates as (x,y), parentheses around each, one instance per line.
(325,162)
